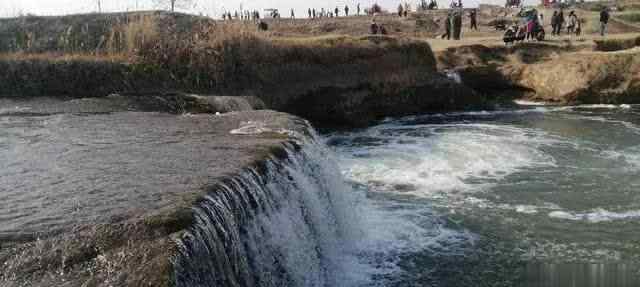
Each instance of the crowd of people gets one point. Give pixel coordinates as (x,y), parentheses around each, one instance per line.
(453,22)
(532,23)
(313,13)
(571,23)
(243,15)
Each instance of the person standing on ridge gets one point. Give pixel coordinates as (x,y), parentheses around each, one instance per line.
(604,20)
(447,27)
(554,22)
(358,9)
(560,22)
(373,28)
(573,22)
(309,13)
(337,12)
(474,21)
(313,13)
(293,14)
(400,9)
(457,25)
(346,10)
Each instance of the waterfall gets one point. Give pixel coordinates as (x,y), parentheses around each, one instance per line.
(453,75)
(287,222)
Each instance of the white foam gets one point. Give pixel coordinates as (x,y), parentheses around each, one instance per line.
(454,76)
(596,216)
(448,157)
(597,106)
(11,110)
(256,128)
(526,209)
(529,103)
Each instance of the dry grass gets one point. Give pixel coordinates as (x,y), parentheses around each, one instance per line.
(611,45)
(61,57)
(129,36)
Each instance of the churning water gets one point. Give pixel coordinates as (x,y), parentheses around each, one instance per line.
(534,197)
(543,196)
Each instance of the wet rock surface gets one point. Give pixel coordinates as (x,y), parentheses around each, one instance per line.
(99,199)
(173,103)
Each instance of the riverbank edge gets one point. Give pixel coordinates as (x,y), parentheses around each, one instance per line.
(335,81)
(605,71)
(387,77)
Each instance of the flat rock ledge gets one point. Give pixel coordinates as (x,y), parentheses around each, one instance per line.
(136,246)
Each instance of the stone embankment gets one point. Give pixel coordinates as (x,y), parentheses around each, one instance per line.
(340,81)
(566,74)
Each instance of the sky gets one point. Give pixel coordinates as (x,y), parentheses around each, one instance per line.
(213,8)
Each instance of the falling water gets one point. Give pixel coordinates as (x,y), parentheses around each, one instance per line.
(288,222)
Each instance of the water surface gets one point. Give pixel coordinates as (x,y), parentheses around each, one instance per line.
(540,196)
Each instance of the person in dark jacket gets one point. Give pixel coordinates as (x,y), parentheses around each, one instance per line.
(604,20)
(457,25)
(560,22)
(554,22)
(447,27)
(373,28)
(474,21)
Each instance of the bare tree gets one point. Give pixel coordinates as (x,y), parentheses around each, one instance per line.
(174,3)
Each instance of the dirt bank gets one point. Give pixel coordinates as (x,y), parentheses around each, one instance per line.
(561,73)
(337,80)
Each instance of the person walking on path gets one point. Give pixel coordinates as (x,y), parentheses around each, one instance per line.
(554,22)
(457,25)
(560,22)
(604,20)
(346,10)
(474,22)
(447,27)
(573,22)
(400,9)
(531,24)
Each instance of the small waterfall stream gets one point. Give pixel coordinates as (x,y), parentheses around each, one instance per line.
(289,222)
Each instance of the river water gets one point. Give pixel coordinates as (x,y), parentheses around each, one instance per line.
(540,196)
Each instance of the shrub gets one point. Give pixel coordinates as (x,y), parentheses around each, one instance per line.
(611,45)
(635,17)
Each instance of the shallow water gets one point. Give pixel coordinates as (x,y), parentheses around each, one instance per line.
(66,170)
(542,196)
